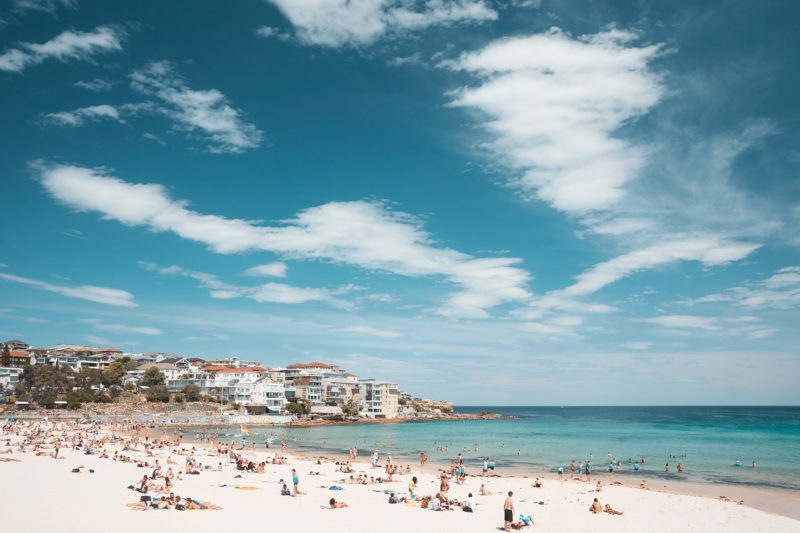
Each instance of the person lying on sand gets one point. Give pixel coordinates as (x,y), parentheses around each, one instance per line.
(609,510)
(336,505)
(522,522)
(596,507)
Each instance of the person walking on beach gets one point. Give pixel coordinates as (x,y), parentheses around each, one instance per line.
(508,511)
(296,482)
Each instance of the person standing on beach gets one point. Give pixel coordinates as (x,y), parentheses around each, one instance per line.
(561,473)
(295,481)
(508,511)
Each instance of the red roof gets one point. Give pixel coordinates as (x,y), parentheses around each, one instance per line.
(310,365)
(108,350)
(18,353)
(243,369)
(215,368)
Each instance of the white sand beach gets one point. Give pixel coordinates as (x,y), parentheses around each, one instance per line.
(42,494)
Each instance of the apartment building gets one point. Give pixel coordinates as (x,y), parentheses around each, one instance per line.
(378,399)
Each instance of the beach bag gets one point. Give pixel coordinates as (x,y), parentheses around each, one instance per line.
(180,507)
(144,499)
(467,509)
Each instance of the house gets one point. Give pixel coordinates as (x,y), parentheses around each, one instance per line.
(169,371)
(113,352)
(20,358)
(378,399)
(9,376)
(17,345)
(230,362)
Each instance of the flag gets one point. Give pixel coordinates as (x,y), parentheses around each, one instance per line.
(245,431)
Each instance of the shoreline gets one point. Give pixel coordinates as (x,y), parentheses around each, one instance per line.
(774,500)
(98,490)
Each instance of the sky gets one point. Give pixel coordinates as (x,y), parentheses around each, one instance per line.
(499,203)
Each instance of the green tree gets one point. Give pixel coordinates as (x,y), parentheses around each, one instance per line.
(87,377)
(113,374)
(192,393)
(5,360)
(73,400)
(128,363)
(152,376)
(349,408)
(179,397)
(298,409)
(101,396)
(157,393)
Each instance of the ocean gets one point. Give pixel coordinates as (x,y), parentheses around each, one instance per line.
(708,441)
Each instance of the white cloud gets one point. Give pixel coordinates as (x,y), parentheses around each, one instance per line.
(121,328)
(65,46)
(638,345)
(275,270)
(761,333)
(682,322)
(78,116)
(97,341)
(364,234)
(710,250)
(553,104)
(780,291)
(268,292)
(375,332)
(206,111)
(103,295)
(360,22)
(266,31)
(96,85)
(562,326)
(46,6)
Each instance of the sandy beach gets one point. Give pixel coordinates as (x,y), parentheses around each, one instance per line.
(44,494)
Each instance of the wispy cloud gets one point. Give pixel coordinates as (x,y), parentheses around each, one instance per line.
(638,345)
(207,112)
(364,234)
(553,104)
(96,85)
(46,6)
(273,270)
(79,116)
(369,330)
(103,295)
(100,324)
(66,46)
(780,291)
(683,322)
(709,250)
(268,292)
(335,23)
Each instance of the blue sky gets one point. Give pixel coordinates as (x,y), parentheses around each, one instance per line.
(500,203)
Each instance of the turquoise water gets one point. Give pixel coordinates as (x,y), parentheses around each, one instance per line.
(706,440)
